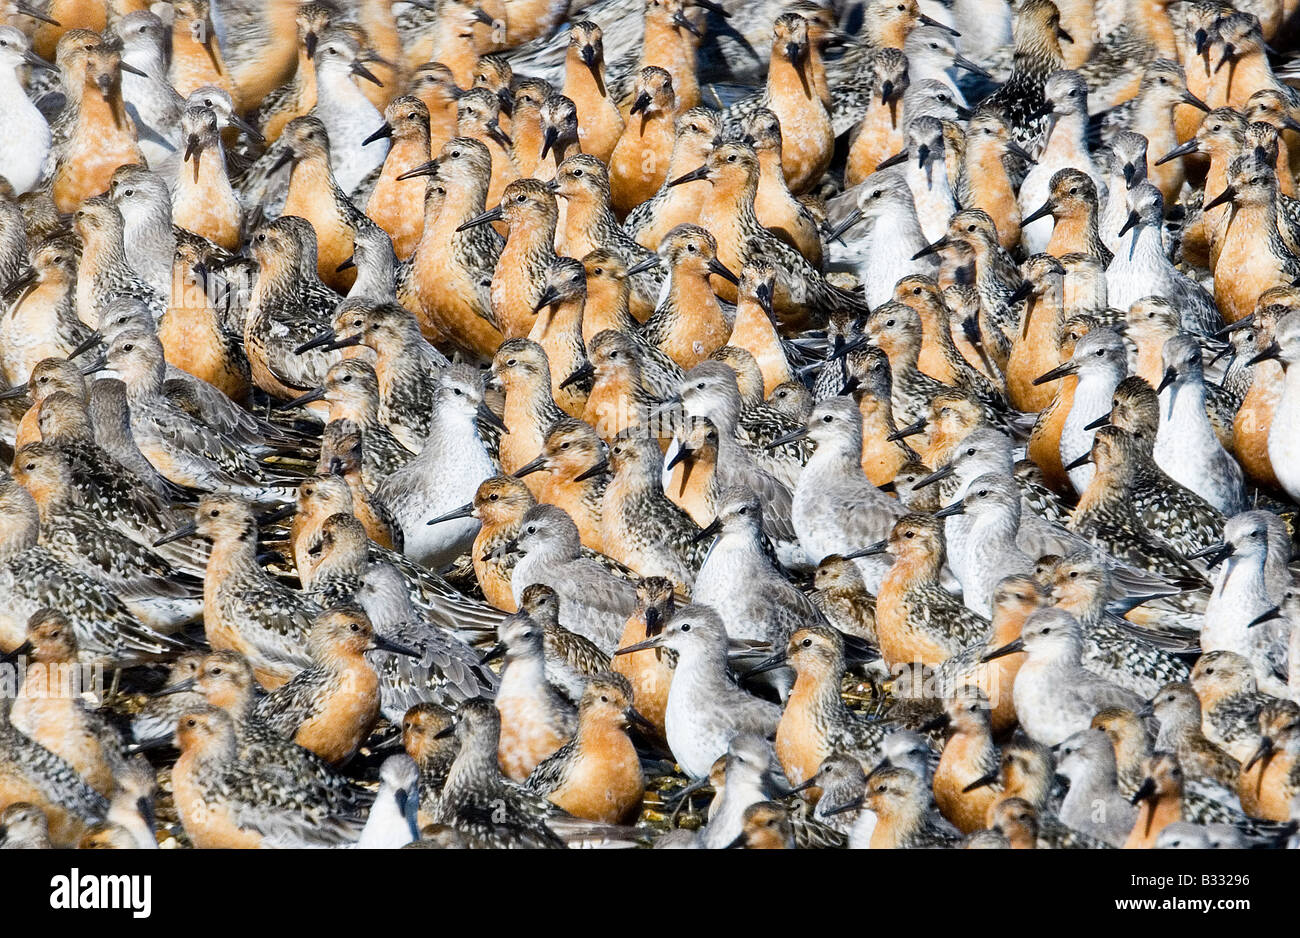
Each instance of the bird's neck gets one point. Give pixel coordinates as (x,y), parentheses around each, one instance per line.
(1155,815)
(585,216)
(819,693)
(996,529)
(703,670)
(1145,248)
(465,198)
(311,176)
(1248,73)
(558,320)
(916,568)
(234,555)
(474,764)
(1182,414)
(580,82)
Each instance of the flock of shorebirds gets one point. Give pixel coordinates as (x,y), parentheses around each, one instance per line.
(688,423)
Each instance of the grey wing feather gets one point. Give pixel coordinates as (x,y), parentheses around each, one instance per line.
(551,771)
(287,707)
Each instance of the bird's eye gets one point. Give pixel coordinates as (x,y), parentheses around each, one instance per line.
(1100,352)
(916,291)
(1074,190)
(564,445)
(493,497)
(971,451)
(216,670)
(827,419)
(604,699)
(700,386)
(876,194)
(970,227)
(521,198)
(691,248)
(686,627)
(214,513)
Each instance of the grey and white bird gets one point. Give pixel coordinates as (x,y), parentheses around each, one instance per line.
(1100,361)
(26,144)
(1093,804)
(836,509)
(740,579)
(877,235)
(1055,695)
(593,602)
(445,473)
(706,709)
(1187,448)
(1239,615)
(392,823)
(1141,266)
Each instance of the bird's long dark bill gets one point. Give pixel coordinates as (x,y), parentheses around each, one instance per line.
(464,511)
(1010,648)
